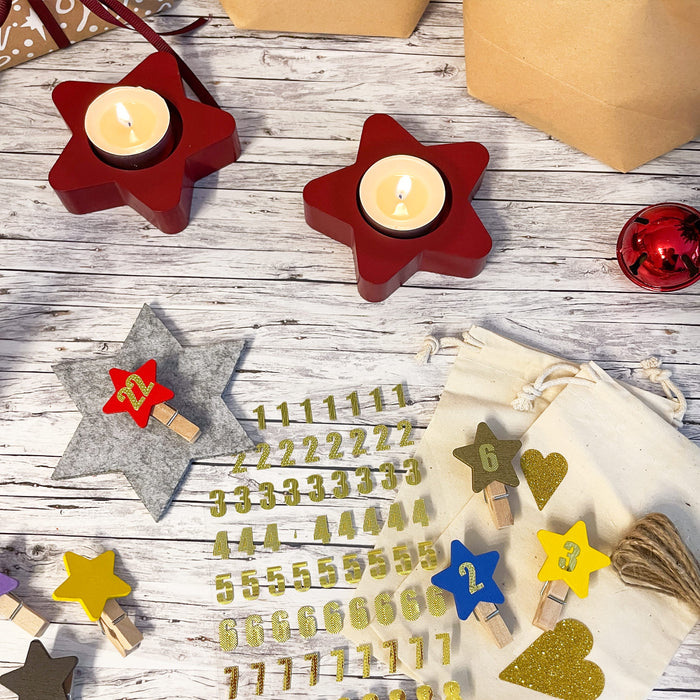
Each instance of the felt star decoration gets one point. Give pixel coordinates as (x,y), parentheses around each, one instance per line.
(42,677)
(469,578)
(91,582)
(457,245)
(161,193)
(153,459)
(570,558)
(125,398)
(489,458)
(7,584)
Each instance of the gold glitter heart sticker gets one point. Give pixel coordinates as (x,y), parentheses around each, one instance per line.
(555,664)
(543,474)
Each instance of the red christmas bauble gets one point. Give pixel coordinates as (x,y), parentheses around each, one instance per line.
(659,247)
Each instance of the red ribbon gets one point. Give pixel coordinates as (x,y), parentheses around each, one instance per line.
(49,21)
(98,7)
(131,21)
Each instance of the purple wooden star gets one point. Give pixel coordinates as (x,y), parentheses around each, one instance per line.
(7,584)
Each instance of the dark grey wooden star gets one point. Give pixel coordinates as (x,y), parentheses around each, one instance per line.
(154,459)
(42,677)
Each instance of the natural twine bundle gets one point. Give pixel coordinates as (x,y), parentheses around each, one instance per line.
(653,555)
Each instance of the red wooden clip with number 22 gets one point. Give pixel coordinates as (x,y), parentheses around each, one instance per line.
(139,394)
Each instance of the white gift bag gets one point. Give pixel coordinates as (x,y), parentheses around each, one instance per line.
(493,380)
(624,461)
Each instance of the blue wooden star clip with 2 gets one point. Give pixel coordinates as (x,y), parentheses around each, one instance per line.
(470,579)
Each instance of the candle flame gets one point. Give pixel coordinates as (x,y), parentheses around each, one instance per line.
(403,189)
(123,115)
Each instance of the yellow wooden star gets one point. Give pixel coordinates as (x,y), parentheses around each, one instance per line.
(570,558)
(91,582)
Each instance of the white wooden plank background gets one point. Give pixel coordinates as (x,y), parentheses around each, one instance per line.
(248,266)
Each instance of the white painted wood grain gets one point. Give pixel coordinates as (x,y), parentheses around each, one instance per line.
(249,267)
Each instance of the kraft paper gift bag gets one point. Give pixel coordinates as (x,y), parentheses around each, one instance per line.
(490,373)
(617,79)
(624,461)
(362,17)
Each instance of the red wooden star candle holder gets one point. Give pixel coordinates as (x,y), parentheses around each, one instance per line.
(205,141)
(454,242)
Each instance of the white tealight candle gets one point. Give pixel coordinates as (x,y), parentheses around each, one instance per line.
(129,127)
(402,195)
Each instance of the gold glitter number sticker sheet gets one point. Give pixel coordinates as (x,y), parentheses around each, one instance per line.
(293,524)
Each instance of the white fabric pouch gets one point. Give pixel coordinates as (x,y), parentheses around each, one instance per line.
(616,439)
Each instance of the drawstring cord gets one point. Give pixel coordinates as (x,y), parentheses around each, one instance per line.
(525,400)
(431,345)
(656,375)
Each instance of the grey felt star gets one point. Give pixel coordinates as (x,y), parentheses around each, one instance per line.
(154,459)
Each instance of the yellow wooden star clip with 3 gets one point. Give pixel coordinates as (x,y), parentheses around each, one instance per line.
(570,558)
(91,582)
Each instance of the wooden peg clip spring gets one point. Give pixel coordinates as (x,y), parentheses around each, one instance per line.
(12,608)
(118,628)
(171,418)
(496,497)
(551,605)
(490,617)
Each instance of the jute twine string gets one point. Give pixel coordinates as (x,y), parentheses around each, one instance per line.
(653,555)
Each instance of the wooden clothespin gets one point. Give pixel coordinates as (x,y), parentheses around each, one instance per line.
(13,608)
(469,578)
(569,564)
(173,419)
(551,605)
(93,584)
(138,394)
(490,617)
(116,625)
(491,462)
(496,497)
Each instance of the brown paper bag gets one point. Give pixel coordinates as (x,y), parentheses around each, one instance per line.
(362,17)
(617,79)
(23,36)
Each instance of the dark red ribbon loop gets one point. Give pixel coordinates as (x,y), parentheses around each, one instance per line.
(98,7)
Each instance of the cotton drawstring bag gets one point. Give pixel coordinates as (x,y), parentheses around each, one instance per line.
(493,380)
(624,461)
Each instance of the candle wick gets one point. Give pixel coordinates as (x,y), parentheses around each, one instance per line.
(123,115)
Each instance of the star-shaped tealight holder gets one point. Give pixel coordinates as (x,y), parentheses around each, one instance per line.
(162,193)
(42,677)
(491,462)
(469,578)
(93,584)
(456,245)
(569,564)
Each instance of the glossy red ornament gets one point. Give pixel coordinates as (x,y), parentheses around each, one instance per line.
(206,141)
(457,243)
(659,247)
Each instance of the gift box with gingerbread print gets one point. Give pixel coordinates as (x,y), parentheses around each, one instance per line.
(36,27)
